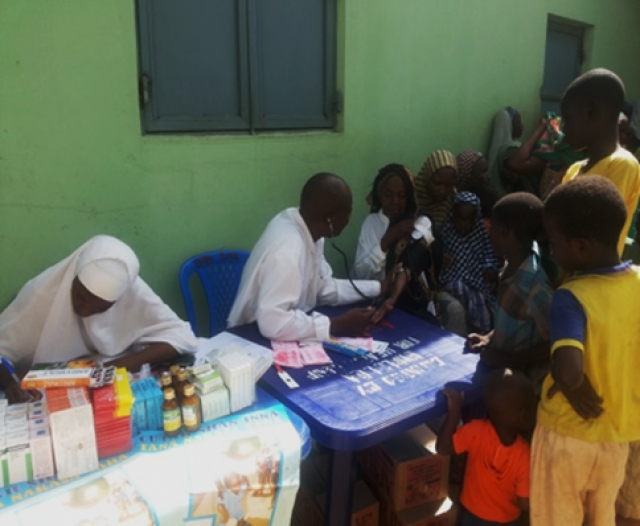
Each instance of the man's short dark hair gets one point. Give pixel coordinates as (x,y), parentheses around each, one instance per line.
(599,86)
(521,212)
(588,207)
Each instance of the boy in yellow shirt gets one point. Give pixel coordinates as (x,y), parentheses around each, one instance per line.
(591,106)
(590,402)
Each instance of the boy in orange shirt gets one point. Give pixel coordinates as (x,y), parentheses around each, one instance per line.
(496,484)
(591,107)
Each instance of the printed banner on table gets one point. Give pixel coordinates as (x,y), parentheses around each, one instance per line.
(237,471)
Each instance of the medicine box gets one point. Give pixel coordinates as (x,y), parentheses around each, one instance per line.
(17,462)
(236,371)
(406,470)
(40,423)
(72,432)
(41,453)
(17,410)
(215,404)
(207,381)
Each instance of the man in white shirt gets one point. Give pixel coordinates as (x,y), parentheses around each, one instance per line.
(287,274)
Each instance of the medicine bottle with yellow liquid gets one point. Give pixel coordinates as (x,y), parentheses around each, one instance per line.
(171,418)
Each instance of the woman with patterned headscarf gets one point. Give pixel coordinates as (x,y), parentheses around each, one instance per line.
(505,135)
(435,186)
(471,268)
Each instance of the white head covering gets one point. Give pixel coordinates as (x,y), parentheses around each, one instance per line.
(107,269)
(41,326)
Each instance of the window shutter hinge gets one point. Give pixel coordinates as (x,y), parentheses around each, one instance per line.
(338,102)
(144,90)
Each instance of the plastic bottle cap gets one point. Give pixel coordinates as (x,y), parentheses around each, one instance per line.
(174,369)
(169,394)
(189,390)
(182,375)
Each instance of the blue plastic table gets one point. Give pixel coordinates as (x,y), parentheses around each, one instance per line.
(357,403)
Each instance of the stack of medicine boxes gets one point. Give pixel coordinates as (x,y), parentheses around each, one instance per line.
(25,443)
(214,397)
(112,414)
(146,413)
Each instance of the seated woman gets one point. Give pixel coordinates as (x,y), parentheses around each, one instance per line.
(470,269)
(436,186)
(91,302)
(393,234)
(473,176)
(505,140)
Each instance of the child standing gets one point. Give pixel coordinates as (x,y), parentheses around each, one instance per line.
(591,400)
(591,108)
(496,484)
(520,335)
(470,267)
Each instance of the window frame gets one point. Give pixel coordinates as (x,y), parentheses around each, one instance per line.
(252,119)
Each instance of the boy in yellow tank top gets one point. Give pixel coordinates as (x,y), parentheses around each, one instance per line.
(591,107)
(590,403)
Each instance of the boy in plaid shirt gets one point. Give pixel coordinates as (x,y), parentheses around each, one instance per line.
(520,337)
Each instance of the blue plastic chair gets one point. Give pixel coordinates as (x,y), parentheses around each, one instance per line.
(219,272)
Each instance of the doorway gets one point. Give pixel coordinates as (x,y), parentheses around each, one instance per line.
(563,61)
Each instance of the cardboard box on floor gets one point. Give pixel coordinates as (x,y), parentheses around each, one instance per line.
(406,470)
(309,509)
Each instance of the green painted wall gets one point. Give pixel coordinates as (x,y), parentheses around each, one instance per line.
(417,75)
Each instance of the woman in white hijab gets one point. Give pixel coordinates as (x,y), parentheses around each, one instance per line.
(505,132)
(91,302)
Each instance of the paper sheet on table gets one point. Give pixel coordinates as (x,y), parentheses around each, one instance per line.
(297,355)
(360,343)
(379,347)
(287,354)
(368,344)
(210,348)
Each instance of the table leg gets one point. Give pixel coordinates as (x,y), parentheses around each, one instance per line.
(342,476)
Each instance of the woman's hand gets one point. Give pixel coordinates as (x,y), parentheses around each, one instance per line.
(396,232)
(16,395)
(12,389)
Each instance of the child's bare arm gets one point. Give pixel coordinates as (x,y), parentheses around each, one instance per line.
(444,444)
(567,371)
